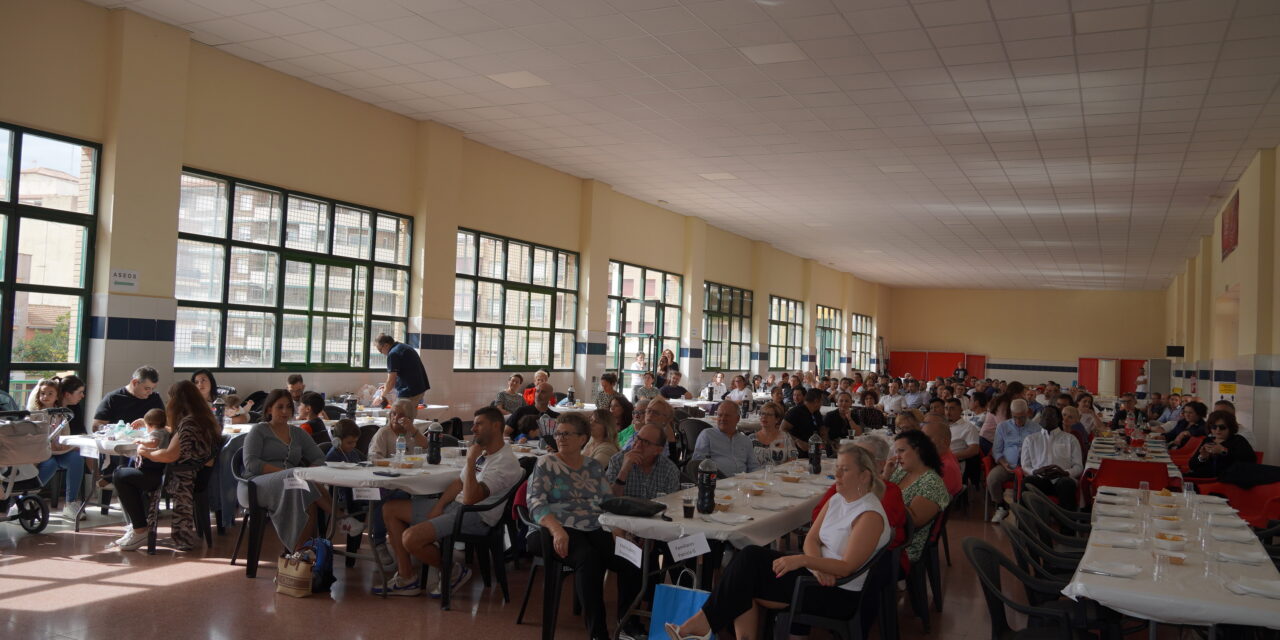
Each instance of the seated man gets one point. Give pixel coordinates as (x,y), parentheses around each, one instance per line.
(915,398)
(673,390)
(804,419)
(1128,407)
(296,388)
(638,415)
(643,471)
(1051,461)
(540,409)
(416,525)
(731,451)
(1006,451)
(964,442)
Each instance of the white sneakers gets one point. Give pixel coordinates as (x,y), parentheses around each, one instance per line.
(70,509)
(1001,514)
(130,541)
(461,574)
(398,586)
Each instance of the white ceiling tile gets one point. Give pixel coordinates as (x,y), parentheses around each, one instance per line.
(773,53)
(320,15)
(1050,26)
(172,11)
(462,20)
(665,20)
(878,20)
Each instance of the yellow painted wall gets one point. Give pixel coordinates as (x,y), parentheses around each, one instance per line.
(1030,325)
(645,234)
(517,198)
(826,286)
(728,258)
(779,274)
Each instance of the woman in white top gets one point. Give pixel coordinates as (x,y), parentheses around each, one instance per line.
(1088,414)
(771,439)
(739,393)
(848,531)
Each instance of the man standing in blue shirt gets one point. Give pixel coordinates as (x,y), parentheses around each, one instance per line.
(1007,452)
(405,373)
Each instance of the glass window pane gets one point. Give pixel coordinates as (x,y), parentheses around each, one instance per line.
(540,310)
(462,347)
(518,256)
(202,206)
(713,298)
(57,175)
(357,355)
(319,286)
(517,308)
(307,225)
(197,333)
(615,279)
(392,241)
(544,267)
(672,289)
(351,230)
(51,253)
(567,271)
(612,317)
(492,261)
(567,312)
(199,271)
(515,344)
(631,278)
(256,216)
(390,291)
(337,339)
(671,321)
(564,351)
(652,282)
(376,328)
(253,277)
(46,327)
(488,305)
(4,233)
(317,338)
(338,299)
(465,262)
(6,163)
(487,347)
(293,338)
(464,300)
(297,285)
(251,337)
(539,348)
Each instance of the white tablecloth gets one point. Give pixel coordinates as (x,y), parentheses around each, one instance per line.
(1187,596)
(1155,453)
(91,447)
(430,480)
(764,527)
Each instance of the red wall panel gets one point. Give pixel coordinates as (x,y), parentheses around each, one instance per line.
(1087,373)
(913,362)
(942,363)
(977,365)
(1129,374)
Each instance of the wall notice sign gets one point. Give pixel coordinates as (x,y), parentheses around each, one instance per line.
(1227,388)
(124,281)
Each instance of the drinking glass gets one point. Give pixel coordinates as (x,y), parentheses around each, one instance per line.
(1189,497)
(1144,491)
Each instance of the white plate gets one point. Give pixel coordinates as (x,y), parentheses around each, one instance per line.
(1210,499)
(1116,568)
(341,465)
(728,518)
(1216,509)
(1114,510)
(1126,501)
(1256,587)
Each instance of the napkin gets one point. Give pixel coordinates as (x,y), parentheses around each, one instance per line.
(1120,569)
(1255,587)
(1114,510)
(1116,540)
(1116,500)
(1216,509)
(1115,524)
(1210,499)
(1249,556)
(1233,535)
(728,518)
(796,491)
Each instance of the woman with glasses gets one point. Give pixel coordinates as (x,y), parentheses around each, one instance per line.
(1223,448)
(565,490)
(841,423)
(771,444)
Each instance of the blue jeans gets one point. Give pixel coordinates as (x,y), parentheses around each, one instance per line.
(73,463)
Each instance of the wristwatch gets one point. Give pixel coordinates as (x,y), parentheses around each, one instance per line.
(620,482)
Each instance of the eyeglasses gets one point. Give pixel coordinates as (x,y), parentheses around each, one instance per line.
(648,442)
(566,434)
(1219,426)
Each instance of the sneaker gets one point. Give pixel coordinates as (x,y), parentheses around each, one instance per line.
(398,586)
(70,510)
(673,632)
(461,574)
(383,555)
(132,540)
(1001,514)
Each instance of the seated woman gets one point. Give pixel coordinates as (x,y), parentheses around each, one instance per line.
(627,417)
(739,393)
(841,423)
(891,501)
(647,391)
(770,443)
(848,532)
(531,390)
(608,390)
(47,395)
(564,491)
(206,383)
(908,420)
(604,437)
(1192,425)
(143,477)
(1223,448)
(195,442)
(869,416)
(716,389)
(758,385)
(778,396)
(916,468)
(271,450)
(511,398)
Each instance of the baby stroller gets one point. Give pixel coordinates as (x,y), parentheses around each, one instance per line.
(24,442)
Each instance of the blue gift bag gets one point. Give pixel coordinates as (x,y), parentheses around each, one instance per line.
(673,603)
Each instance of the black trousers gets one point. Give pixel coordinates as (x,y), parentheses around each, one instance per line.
(132,487)
(1064,488)
(590,554)
(750,576)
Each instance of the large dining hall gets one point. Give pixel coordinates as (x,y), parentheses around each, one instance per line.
(640,319)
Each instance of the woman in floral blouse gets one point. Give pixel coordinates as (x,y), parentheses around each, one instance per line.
(565,491)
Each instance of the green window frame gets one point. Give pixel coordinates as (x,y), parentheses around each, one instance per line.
(48,225)
(786,333)
(860,342)
(829,333)
(643,316)
(270,279)
(515,304)
(726,335)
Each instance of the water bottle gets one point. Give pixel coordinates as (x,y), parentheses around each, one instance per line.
(433,443)
(571,396)
(219,410)
(351,406)
(815,454)
(402,445)
(707,474)
(1128,422)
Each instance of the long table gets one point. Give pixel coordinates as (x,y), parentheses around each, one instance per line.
(1111,449)
(1177,594)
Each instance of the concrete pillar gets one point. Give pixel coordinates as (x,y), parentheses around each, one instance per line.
(695,261)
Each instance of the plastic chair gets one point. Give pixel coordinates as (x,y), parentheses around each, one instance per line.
(1257,505)
(1044,622)
(553,582)
(491,544)
(1130,473)
(1037,559)
(366,436)
(879,570)
(1033,525)
(255,521)
(1073,522)
(1182,457)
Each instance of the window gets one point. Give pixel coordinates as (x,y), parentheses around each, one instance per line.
(48,207)
(643,318)
(515,304)
(786,333)
(860,343)
(829,332)
(726,342)
(267,278)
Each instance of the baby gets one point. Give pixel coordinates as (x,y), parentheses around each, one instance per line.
(233,409)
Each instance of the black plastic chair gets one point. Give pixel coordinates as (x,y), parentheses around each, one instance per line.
(490,545)
(254,521)
(1050,537)
(918,572)
(366,436)
(334,412)
(552,582)
(1073,522)
(879,570)
(1044,622)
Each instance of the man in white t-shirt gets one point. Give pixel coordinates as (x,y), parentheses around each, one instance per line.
(1141,382)
(415,526)
(893,402)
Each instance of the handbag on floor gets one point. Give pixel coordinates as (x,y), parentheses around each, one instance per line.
(675,604)
(306,571)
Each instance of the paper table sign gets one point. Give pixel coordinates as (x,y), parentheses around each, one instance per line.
(689,547)
(366,493)
(628,550)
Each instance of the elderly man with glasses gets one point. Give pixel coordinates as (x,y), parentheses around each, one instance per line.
(1007,452)
(642,471)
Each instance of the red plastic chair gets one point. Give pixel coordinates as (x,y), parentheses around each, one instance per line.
(1257,506)
(1258,455)
(1182,456)
(1129,473)
(989,463)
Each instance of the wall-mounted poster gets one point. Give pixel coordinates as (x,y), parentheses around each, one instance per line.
(1231,226)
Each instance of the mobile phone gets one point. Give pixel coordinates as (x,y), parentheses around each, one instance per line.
(389,474)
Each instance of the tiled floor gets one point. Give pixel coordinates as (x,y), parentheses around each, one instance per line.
(61,584)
